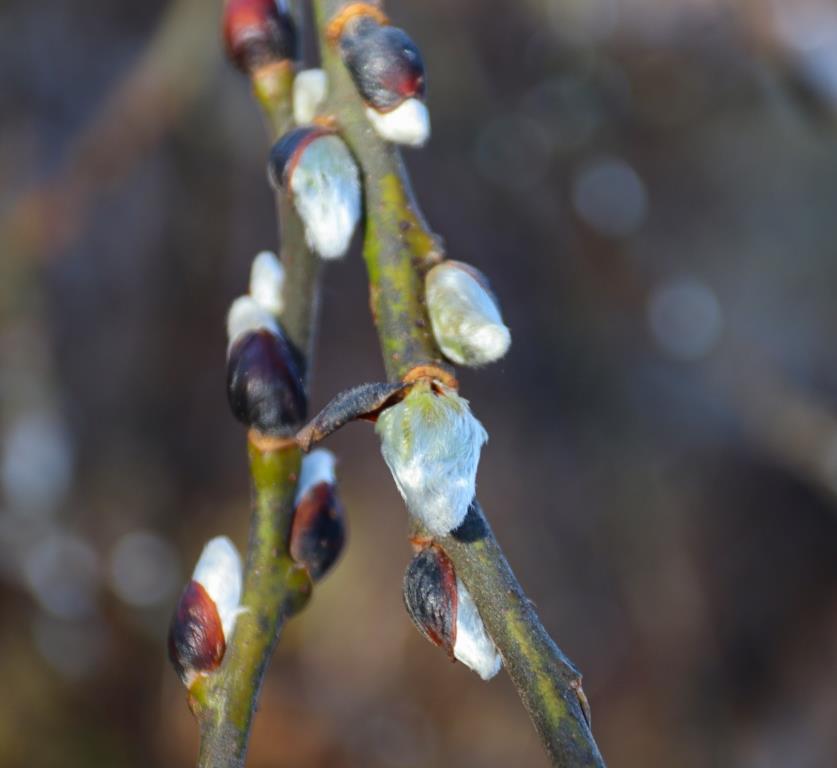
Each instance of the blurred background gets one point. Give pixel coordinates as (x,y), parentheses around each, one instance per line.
(651,185)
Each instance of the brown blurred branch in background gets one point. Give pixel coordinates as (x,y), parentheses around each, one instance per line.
(791,426)
(167,78)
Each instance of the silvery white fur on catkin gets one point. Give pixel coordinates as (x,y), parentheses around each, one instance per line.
(219,572)
(310,87)
(465,318)
(431,444)
(326,193)
(247,315)
(473,647)
(408,123)
(267,282)
(317,467)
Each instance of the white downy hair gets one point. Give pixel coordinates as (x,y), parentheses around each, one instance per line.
(473,646)
(220,573)
(246,315)
(310,88)
(431,444)
(408,123)
(326,194)
(267,282)
(465,318)
(317,467)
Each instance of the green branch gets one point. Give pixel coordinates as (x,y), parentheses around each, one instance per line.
(275,587)
(398,249)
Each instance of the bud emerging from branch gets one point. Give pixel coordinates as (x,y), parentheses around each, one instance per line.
(430,597)
(431,443)
(265,387)
(388,71)
(267,282)
(257,33)
(474,648)
(318,532)
(206,612)
(444,612)
(310,88)
(320,174)
(464,314)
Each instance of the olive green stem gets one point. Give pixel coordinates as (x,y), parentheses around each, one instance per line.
(548,683)
(398,249)
(275,587)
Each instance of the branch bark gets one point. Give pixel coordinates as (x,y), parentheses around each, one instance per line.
(275,587)
(399,248)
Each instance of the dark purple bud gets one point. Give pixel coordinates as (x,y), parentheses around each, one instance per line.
(318,532)
(258,32)
(196,635)
(384,63)
(430,596)
(264,385)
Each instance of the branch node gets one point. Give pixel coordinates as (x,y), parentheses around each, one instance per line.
(268,443)
(352,11)
(432,372)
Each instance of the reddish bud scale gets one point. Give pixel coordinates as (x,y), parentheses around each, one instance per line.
(258,32)
(318,532)
(265,387)
(286,152)
(430,597)
(196,635)
(384,63)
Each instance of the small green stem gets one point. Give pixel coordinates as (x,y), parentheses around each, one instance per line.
(275,588)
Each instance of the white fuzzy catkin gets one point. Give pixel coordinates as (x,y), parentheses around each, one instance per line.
(473,646)
(267,282)
(317,467)
(326,194)
(408,123)
(246,315)
(220,573)
(310,87)
(465,318)
(431,444)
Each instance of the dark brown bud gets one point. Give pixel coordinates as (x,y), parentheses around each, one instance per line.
(196,635)
(258,32)
(430,596)
(318,532)
(384,63)
(264,385)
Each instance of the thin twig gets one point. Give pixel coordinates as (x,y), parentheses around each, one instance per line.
(274,586)
(398,249)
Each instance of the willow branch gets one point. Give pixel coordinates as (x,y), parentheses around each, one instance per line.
(275,587)
(398,249)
